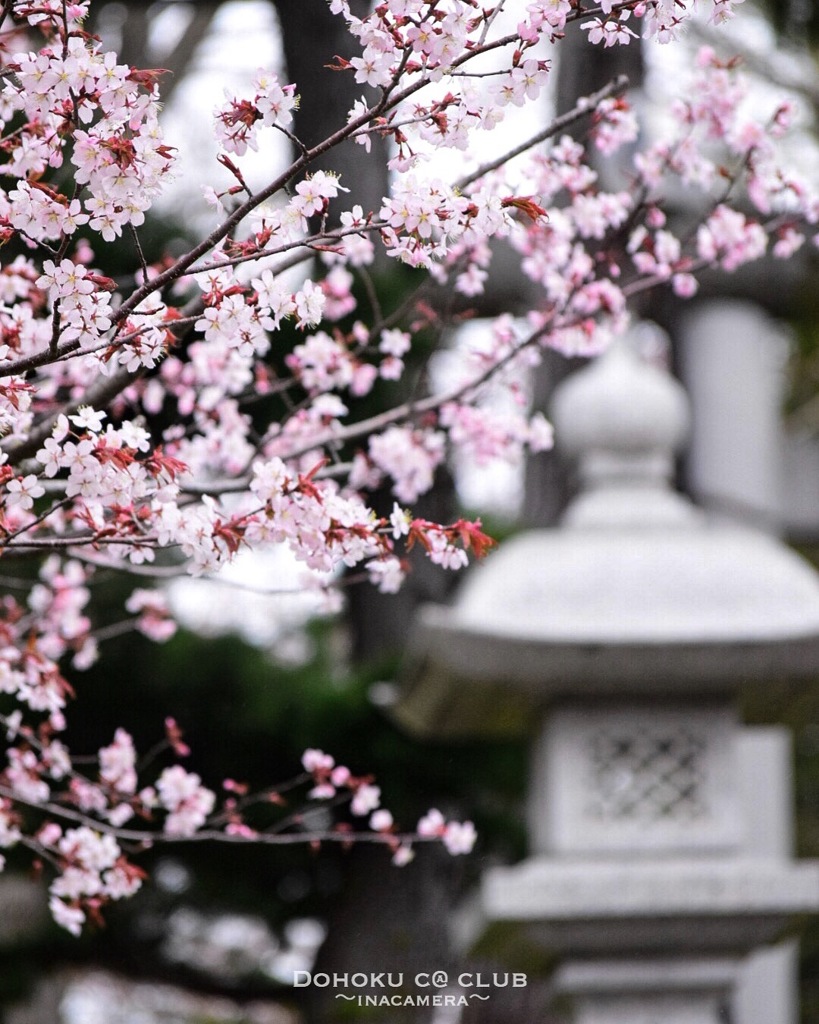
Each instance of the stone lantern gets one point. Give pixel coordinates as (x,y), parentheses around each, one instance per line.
(661,869)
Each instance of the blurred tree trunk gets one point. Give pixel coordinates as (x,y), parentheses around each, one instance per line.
(312,38)
(582,69)
(127,26)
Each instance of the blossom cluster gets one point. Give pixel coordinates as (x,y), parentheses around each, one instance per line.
(211,402)
(79,105)
(331,779)
(272,105)
(94,870)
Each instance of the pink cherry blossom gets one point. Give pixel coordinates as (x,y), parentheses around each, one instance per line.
(459,837)
(189,803)
(135,413)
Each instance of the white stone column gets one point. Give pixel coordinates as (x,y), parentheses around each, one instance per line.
(732,361)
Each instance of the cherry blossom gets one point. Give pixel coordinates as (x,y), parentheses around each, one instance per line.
(131,437)
(458,837)
(182,794)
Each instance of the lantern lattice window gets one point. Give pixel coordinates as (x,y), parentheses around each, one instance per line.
(647,774)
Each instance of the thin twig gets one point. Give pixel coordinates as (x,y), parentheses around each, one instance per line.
(584,107)
(146,838)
